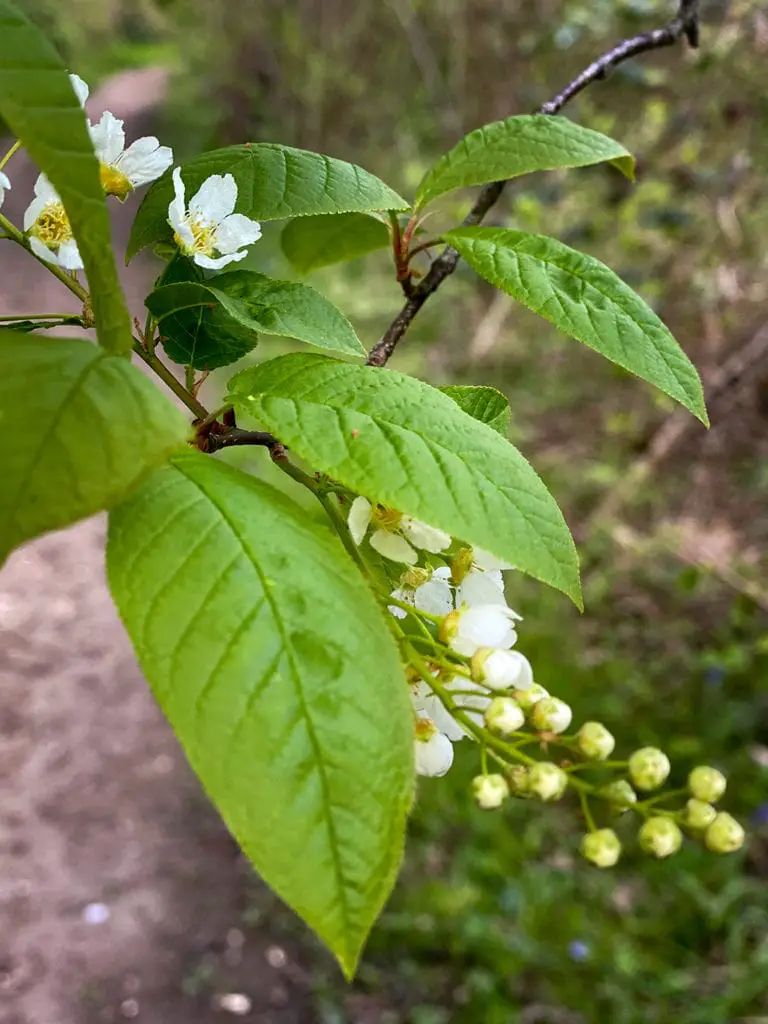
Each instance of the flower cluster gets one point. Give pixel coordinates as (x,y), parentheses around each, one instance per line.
(467,680)
(208,231)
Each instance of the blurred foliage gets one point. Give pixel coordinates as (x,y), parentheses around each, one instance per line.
(496,918)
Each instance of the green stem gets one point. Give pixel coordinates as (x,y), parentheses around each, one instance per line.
(587,812)
(14,148)
(660,797)
(437,619)
(37,316)
(168,379)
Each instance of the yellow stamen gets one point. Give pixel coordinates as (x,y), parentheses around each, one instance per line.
(115,183)
(385,518)
(52,227)
(203,234)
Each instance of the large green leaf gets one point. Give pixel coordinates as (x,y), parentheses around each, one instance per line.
(39,106)
(520,145)
(485,404)
(80,429)
(279,675)
(273,182)
(313,242)
(587,301)
(213,324)
(403,443)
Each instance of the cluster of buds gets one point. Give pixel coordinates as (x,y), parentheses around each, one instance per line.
(469,682)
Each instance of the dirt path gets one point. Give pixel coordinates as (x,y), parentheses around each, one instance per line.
(121,894)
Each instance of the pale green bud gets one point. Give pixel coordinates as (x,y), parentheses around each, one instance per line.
(528,698)
(725,834)
(660,836)
(699,815)
(619,794)
(547,781)
(519,778)
(595,742)
(601,847)
(648,768)
(490,791)
(504,716)
(707,784)
(551,715)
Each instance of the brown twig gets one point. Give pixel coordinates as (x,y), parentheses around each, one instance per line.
(685,24)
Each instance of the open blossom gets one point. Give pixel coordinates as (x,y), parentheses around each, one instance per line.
(5,184)
(209,231)
(488,625)
(48,228)
(500,670)
(427,591)
(123,170)
(432,749)
(395,536)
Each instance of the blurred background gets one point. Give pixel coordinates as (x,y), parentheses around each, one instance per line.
(121,895)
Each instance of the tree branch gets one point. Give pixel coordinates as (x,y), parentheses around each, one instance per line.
(686,23)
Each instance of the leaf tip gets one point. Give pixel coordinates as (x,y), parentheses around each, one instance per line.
(627,165)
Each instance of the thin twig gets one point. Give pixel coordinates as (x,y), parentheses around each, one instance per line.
(686,24)
(234,436)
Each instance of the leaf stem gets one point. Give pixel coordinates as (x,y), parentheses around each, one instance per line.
(37,316)
(14,148)
(170,381)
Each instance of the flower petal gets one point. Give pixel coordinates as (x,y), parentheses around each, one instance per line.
(485,560)
(42,251)
(69,255)
(216,263)
(108,138)
(394,547)
(359,519)
(215,199)
(80,87)
(487,626)
(479,588)
(423,536)
(5,181)
(177,210)
(434,596)
(235,231)
(145,160)
(33,211)
(45,190)
(434,756)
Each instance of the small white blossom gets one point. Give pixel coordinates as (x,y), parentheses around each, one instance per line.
(490,791)
(210,225)
(479,587)
(48,228)
(500,670)
(551,715)
(432,748)
(5,185)
(394,536)
(123,170)
(431,594)
(490,625)
(466,695)
(547,781)
(504,715)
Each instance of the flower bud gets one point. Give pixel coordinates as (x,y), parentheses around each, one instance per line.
(547,781)
(595,742)
(504,715)
(490,791)
(699,815)
(648,768)
(498,670)
(725,834)
(707,784)
(601,847)
(660,836)
(619,795)
(532,695)
(551,715)
(519,779)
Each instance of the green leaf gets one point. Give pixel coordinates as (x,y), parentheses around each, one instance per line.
(280,677)
(244,304)
(309,243)
(273,182)
(587,301)
(39,106)
(520,145)
(403,443)
(485,404)
(81,428)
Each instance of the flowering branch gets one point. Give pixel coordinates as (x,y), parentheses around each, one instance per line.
(685,23)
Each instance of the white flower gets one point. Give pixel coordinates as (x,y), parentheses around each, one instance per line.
(489,625)
(80,87)
(393,531)
(465,694)
(210,225)
(5,185)
(490,791)
(551,715)
(48,228)
(499,670)
(504,715)
(432,748)
(429,593)
(480,587)
(123,170)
